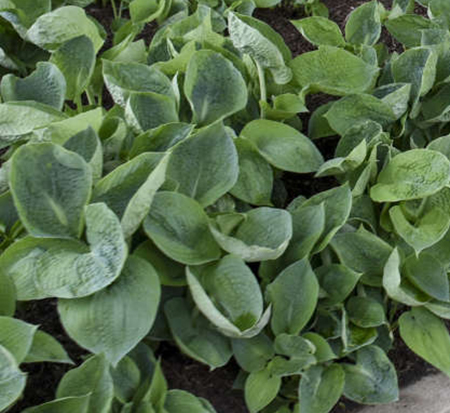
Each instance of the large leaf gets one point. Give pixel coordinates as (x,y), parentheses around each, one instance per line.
(228,294)
(320,388)
(283,146)
(294,296)
(205,165)
(76,60)
(407,28)
(12,380)
(91,378)
(373,379)
(50,187)
(45,85)
(179,227)
(334,71)
(53,29)
(114,320)
(194,336)
(427,336)
(214,87)
(129,189)
(263,233)
(413,174)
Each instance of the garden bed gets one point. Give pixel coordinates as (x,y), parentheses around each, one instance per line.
(181,371)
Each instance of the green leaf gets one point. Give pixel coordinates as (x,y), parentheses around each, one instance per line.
(205,165)
(373,379)
(45,348)
(91,378)
(294,346)
(337,281)
(214,87)
(260,389)
(320,31)
(320,388)
(347,75)
(127,307)
(7,294)
(50,187)
(66,405)
(12,380)
(179,401)
(323,352)
(45,85)
(263,234)
(413,174)
(429,275)
(123,78)
(337,203)
(262,43)
(407,29)
(294,296)
(19,119)
(440,12)
(252,354)
(179,227)
(53,29)
(364,253)
(70,269)
(425,231)
(283,146)
(76,60)
(144,11)
(427,336)
(126,378)
(359,109)
(16,336)
(194,336)
(365,312)
(395,95)
(364,25)
(129,189)
(255,180)
(228,294)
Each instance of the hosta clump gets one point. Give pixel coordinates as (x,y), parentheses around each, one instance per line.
(165,218)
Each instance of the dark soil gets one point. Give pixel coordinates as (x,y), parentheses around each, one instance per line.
(181,371)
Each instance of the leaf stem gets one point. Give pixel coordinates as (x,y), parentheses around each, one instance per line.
(262,87)
(113,5)
(78,103)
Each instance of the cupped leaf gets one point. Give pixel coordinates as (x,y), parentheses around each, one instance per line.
(53,29)
(320,31)
(129,189)
(364,253)
(293,295)
(260,389)
(283,146)
(205,165)
(12,380)
(262,43)
(214,87)
(263,234)
(194,336)
(46,85)
(114,320)
(373,379)
(76,60)
(365,312)
(91,378)
(426,335)
(348,74)
(255,180)
(179,227)
(45,348)
(320,388)
(413,174)
(228,294)
(70,269)
(364,24)
(123,78)
(66,405)
(50,186)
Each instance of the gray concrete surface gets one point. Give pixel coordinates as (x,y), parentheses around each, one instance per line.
(429,395)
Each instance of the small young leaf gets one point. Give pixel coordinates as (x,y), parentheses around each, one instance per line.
(45,348)
(364,24)
(12,380)
(260,389)
(320,31)
(365,312)
(16,336)
(252,354)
